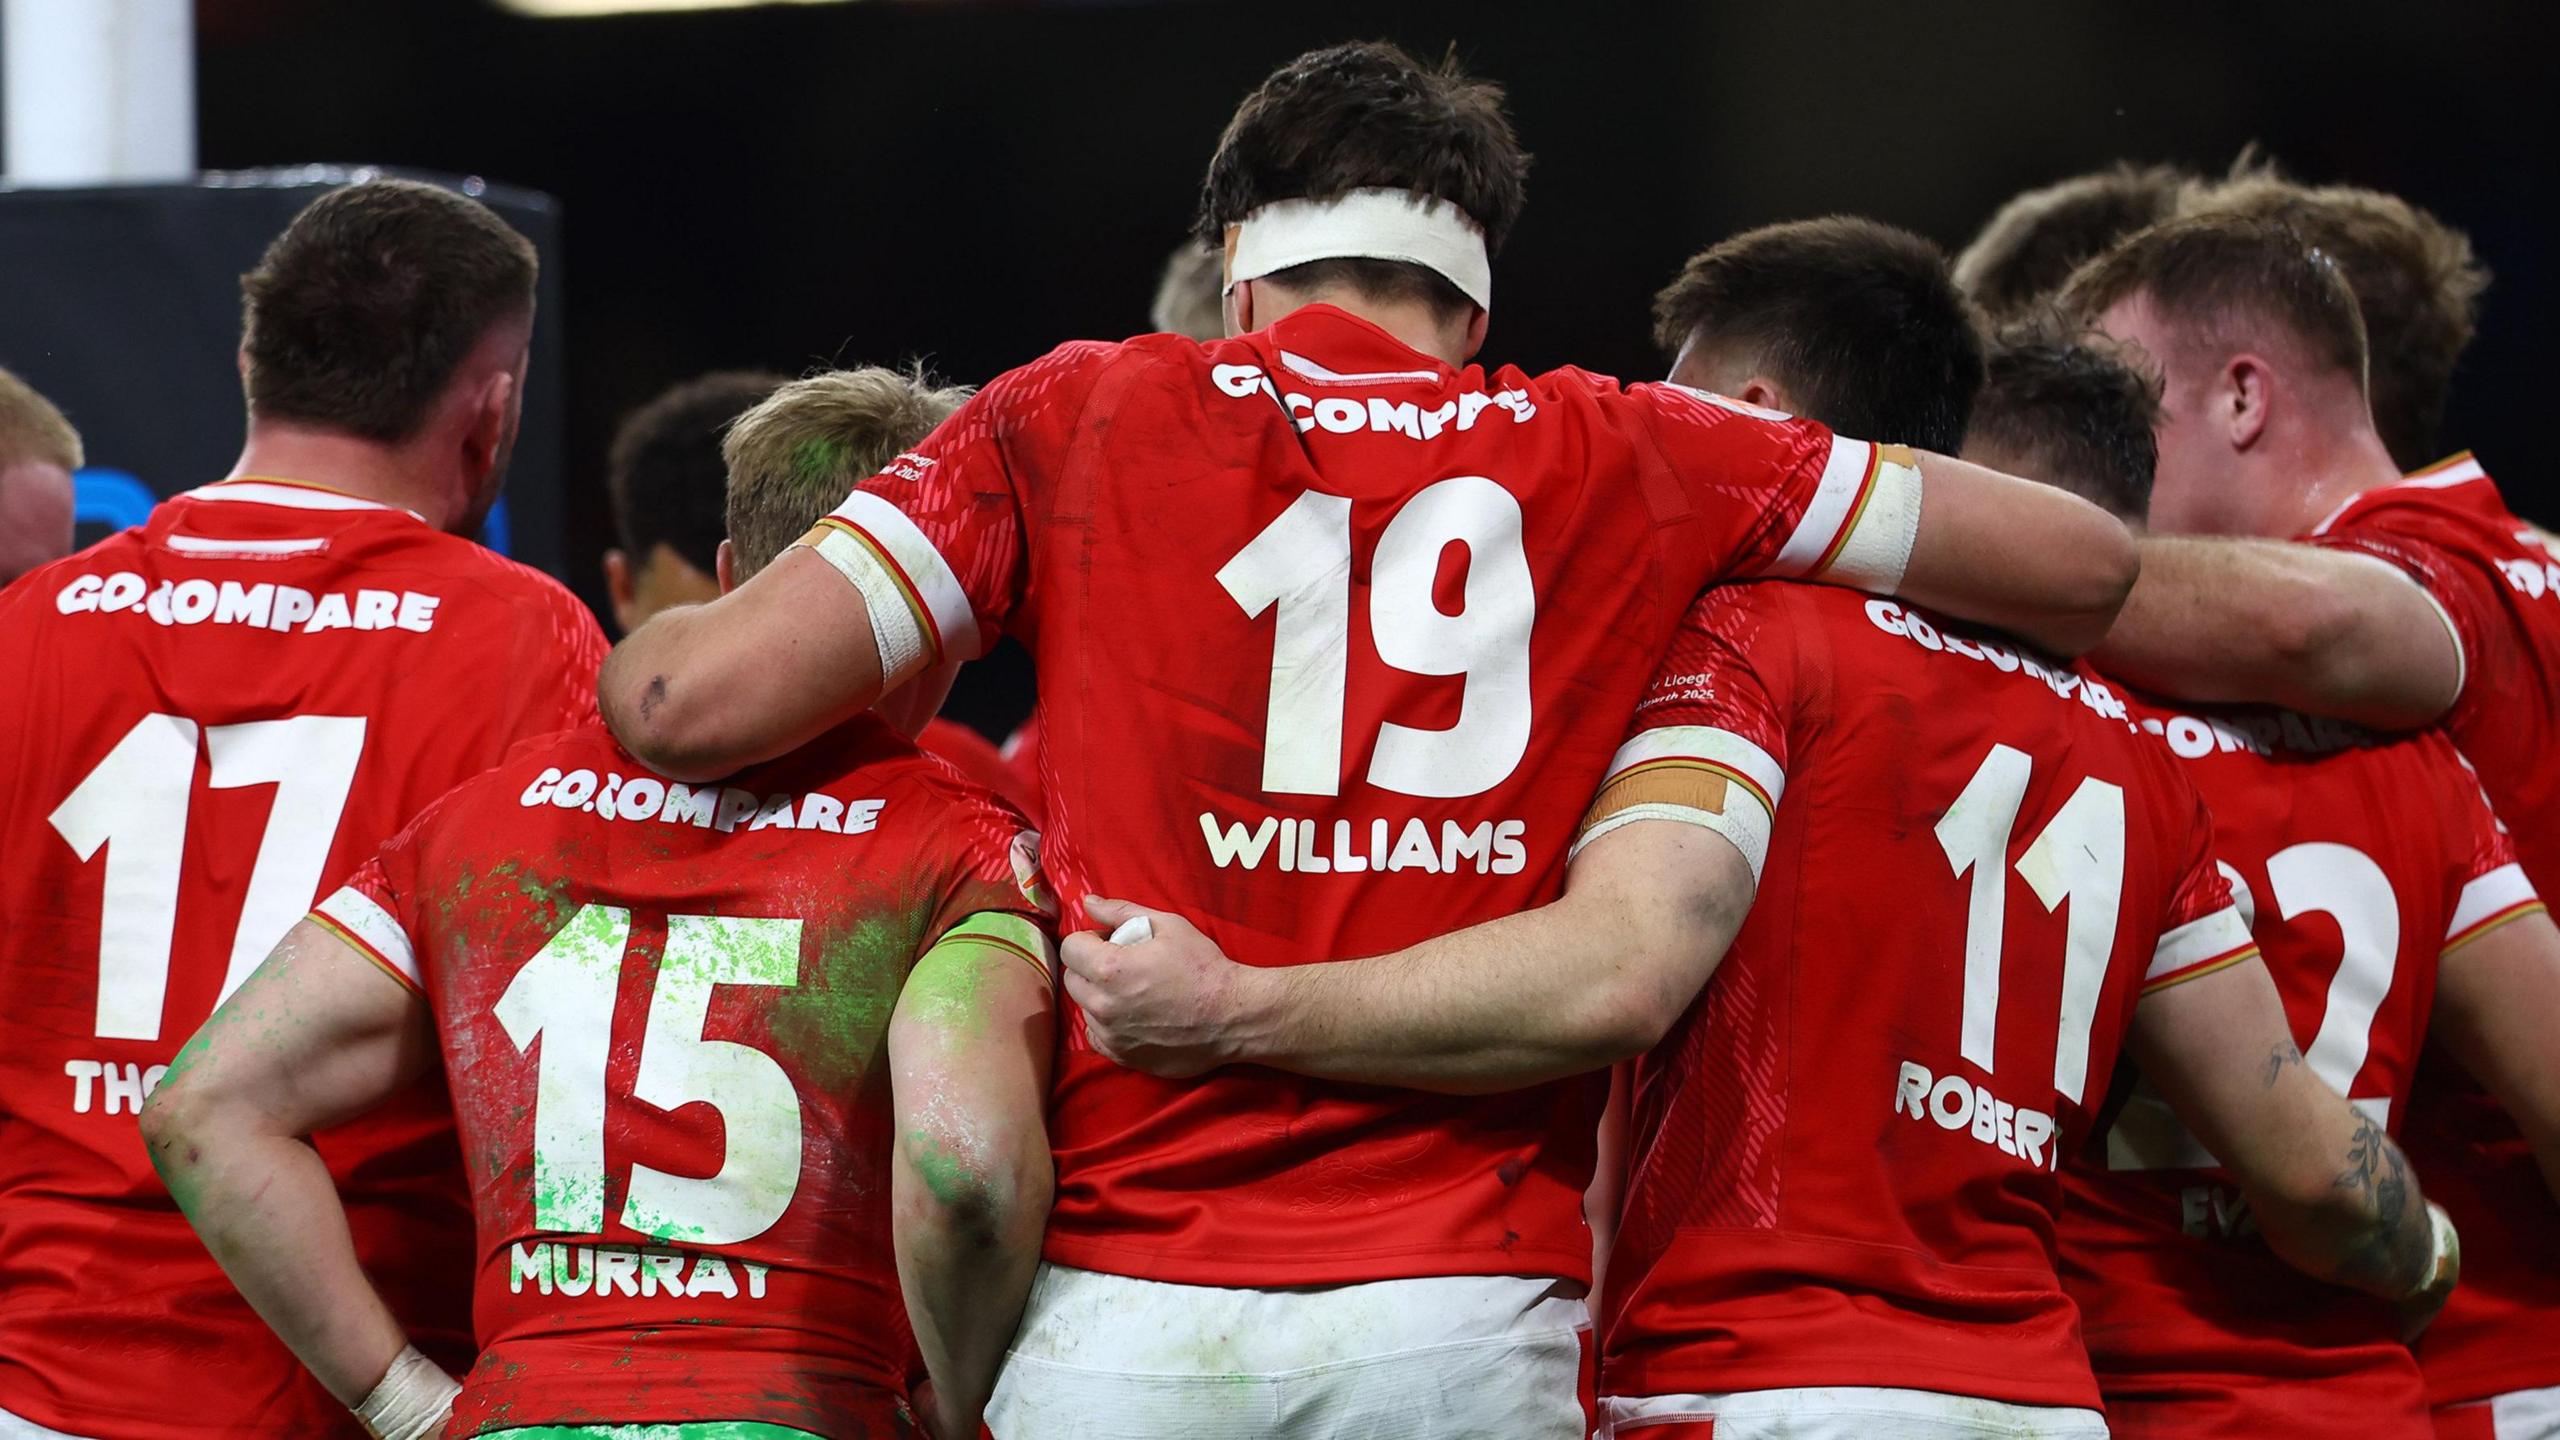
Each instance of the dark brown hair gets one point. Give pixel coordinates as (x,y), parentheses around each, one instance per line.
(1361,117)
(361,311)
(2415,280)
(1858,320)
(2074,412)
(2031,245)
(2213,273)
(665,477)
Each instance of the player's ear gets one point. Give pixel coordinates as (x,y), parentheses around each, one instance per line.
(2246,390)
(1762,391)
(1238,308)
(1479,320)
(617,588)
(724,566)
(492,412)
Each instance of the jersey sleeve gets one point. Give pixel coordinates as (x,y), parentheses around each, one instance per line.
(989,887)
(556,677)
(2494,889)
(1786,498)
(373,913)
(2464,594)
(1708,744)
(2201,930)
(936,542)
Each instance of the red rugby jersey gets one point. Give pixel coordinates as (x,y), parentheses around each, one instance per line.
(1844,1155)
(212,718)
(664,1013)
(1334,641)
(2359,860)
(2448,527)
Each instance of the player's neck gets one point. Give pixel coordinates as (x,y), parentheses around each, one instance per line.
(2344,461)
(350,464)
(1416,323)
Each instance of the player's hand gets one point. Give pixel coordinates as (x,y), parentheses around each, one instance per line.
(2419,1310)
(1168,1004)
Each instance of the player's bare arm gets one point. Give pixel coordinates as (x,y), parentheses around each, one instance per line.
(969,1049)
(699,692)
(2495,996)
(2328,632)
(2046,566)
(2332,1193)
(317,1036)
(1595,977)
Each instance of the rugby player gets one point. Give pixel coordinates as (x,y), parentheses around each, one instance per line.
(38,452)
(2421,600)
(837,953)
(1839,1216)
(664,481)
(1332,625)
(211,719)
(2385,899)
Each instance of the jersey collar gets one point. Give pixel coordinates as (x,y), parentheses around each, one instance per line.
(1327,345)
(2449,473)
(288,494)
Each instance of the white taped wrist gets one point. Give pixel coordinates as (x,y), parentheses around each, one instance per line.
(412,1402)
(1877,548)
(2444,1255)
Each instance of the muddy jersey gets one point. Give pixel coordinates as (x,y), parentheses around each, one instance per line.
(1335,639)
(2359,861)
(211,719)
(1845,1155)
(664,1010)
(2499,587)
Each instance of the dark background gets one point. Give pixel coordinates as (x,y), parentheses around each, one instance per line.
(972,183)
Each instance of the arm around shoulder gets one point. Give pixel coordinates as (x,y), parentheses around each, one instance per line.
(699,692)
(2495,996)
(2035,561)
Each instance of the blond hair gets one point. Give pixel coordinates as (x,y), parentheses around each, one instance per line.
(2415,279)
(796,456)
(1190,295)
(32,429)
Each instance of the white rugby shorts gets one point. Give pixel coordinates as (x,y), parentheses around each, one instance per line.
(1840,1412)
(1107,1357)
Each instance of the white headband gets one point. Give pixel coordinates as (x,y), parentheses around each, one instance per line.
(1366,225)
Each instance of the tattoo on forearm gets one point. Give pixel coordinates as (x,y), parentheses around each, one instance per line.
(2390,1253)
(2281,1059)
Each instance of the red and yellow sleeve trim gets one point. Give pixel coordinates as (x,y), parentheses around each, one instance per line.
(887,567)
(356,918)
(2491,899)
(1013,935)
(2154,984)
(2198,948)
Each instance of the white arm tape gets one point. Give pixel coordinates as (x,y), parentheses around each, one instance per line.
(1742,821)
(1878,546)
(893,623)
(412,1402)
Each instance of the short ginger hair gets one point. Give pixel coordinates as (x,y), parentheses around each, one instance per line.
(2416,282)
(2222,279)
(32,428)
(797,455)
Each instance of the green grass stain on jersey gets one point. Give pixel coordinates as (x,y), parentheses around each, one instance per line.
(835,1022)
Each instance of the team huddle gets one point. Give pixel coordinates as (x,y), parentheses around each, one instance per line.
(1911,879)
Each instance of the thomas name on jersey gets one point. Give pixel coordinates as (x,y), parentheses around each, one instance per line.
(708,807)
(604,1271)
(1493,847)
(280,608)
